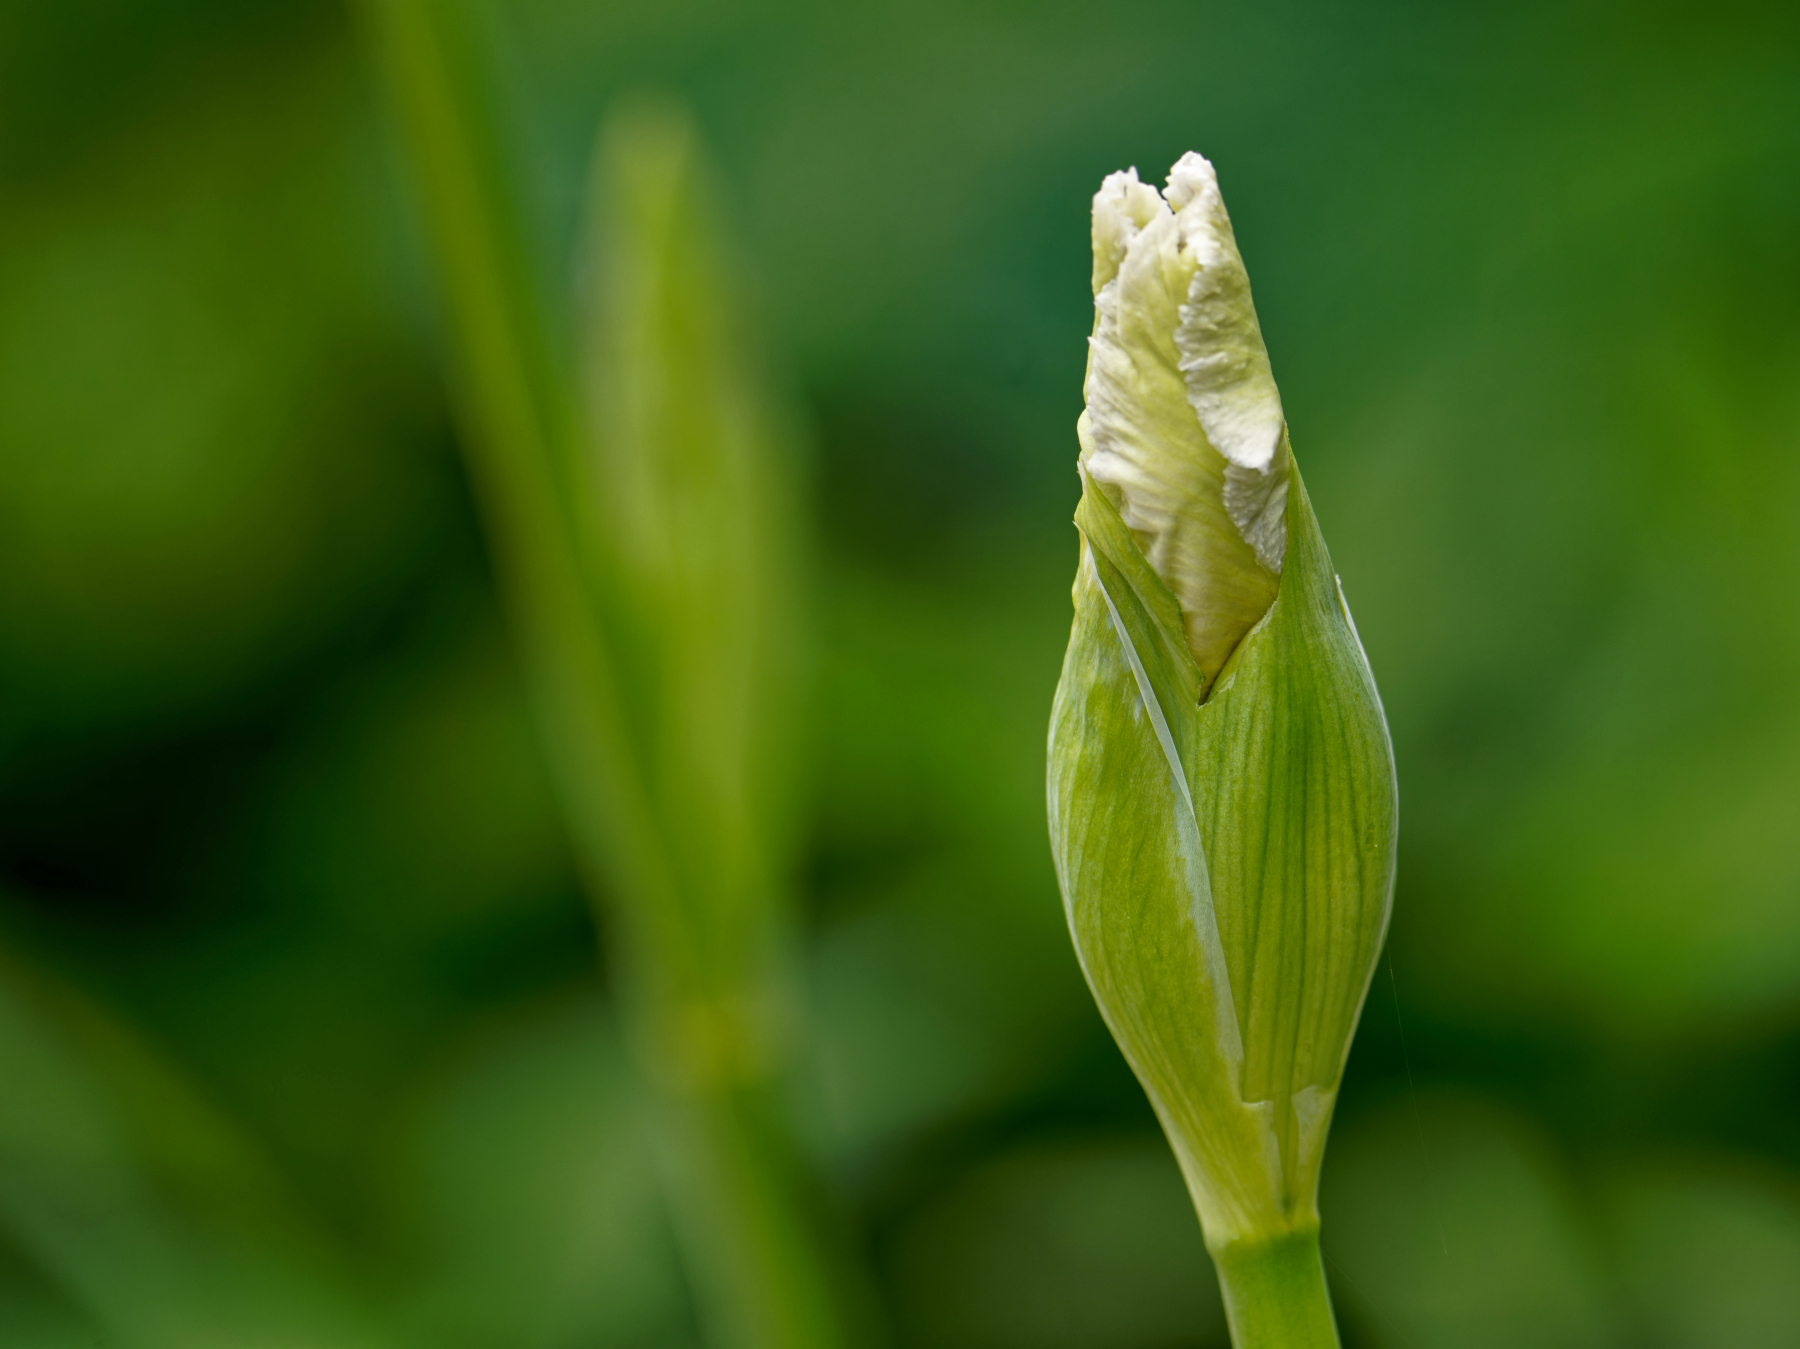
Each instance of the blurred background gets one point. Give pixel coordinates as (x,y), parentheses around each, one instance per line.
(304,1032)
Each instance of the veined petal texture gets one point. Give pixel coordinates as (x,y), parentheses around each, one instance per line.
(1226,868)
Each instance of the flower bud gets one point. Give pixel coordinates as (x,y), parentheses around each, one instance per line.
(1221,784)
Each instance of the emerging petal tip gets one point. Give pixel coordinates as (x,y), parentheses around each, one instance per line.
(1226,364)
(1184,427)
(1122,207)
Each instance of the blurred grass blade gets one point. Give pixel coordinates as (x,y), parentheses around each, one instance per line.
(644,575)
(518,414)
(690,504)
(690,507)
(149,1210)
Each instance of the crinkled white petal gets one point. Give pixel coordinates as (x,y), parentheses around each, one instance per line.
(1178,427)
(1229,383)
(1122,207)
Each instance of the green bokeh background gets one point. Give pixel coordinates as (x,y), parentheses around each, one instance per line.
(304,1040)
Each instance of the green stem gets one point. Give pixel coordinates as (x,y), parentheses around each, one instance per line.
(517,419)
(1275,1295)
(737,1190)
(746,1232)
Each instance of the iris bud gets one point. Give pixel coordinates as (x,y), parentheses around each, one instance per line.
(1221,784)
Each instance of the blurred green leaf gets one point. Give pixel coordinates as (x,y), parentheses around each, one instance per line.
(523,1187)
(1708,1252)
(417,806)
(210,412)
(142,1203)
(1060,1246)
(1453,1225)
(34,1314)
(399,867)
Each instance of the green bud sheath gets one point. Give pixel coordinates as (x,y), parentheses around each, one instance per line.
(1221,784)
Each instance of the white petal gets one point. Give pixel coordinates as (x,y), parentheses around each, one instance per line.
(1226,364)
(1122,207)
(1143,443)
